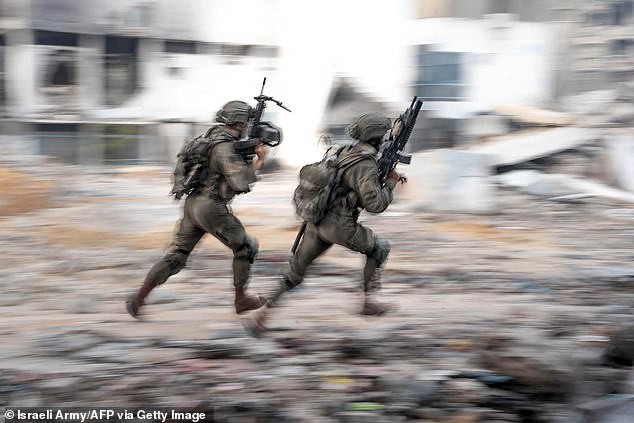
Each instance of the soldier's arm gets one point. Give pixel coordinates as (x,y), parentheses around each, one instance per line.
(235,170)
(364,179)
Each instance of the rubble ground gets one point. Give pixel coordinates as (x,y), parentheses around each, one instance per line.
(508,317)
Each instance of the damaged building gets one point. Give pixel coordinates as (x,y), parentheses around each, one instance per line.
(556,117)
(123,82)
(503,53)
(127,81)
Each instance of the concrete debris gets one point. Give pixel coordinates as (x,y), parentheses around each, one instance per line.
(486,125)
(452,181)
(507,317)
(532,116)
(532,144)
(621,113)
(610,409)
(561,187)
(589,103)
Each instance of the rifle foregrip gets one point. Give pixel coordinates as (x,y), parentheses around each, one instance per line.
(404,158)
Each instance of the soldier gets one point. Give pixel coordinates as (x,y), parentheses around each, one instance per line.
(206,211)
(359,189)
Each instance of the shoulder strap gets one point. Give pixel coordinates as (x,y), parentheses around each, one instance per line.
(348,160)
(208,131)
(218,139)
(344,164)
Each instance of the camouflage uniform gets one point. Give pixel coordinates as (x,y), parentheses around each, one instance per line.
(207,211)
(359,189)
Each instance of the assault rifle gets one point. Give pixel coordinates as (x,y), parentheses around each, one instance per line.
(392,153)
(259,131)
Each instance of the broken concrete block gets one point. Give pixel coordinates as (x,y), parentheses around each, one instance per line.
(533,116)
(532,144)
(453,181)
(558,185)
(482,126)
(590,102)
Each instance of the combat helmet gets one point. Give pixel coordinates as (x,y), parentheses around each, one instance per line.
(369,126)
(234,112)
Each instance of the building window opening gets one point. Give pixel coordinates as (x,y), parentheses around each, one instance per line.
(61,69)
(180,47)
(121,76)
(52,38)
(58,75)
(440,75)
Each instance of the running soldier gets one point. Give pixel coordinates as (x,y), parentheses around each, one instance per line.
(359,189)
(226,174)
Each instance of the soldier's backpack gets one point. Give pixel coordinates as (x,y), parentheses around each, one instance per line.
(318,183)
(192,164)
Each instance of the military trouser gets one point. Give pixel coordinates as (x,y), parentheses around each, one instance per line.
(342,230)
(201,215)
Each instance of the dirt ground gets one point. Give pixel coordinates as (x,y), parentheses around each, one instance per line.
(500,316)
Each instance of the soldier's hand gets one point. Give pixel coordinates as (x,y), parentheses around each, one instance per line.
(260,152)
(397,177)
(396,129)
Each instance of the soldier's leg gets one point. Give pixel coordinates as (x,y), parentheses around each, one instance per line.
(185,238)
(376,250)
(310,247)
(373,264)
(229,230)
(362,239)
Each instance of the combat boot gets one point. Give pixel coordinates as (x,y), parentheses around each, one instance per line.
(135,301)
(256,325)
(245,302)
(372,307)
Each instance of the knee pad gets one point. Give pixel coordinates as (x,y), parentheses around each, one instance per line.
(381,251)
(249,249)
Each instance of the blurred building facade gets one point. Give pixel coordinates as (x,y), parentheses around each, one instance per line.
(478,57)
(471,66)
(597,49)
(128,80)
(122,81)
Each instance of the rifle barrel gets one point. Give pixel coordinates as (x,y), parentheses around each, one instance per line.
(263,82)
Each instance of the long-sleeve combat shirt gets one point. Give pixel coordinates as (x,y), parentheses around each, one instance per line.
(229,174)
(362,179)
